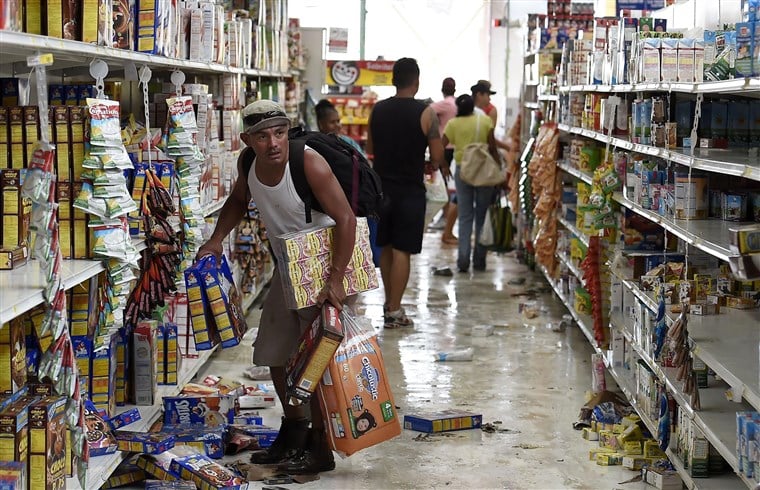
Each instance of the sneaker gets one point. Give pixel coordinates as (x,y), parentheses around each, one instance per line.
(398,319)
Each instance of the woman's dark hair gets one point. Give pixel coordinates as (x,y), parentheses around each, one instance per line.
(323,109)
(465,105)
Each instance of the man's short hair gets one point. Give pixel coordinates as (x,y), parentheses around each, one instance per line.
(406,71)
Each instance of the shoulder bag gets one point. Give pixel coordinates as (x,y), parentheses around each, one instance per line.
(478,167)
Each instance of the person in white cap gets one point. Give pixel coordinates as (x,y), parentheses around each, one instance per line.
(301,445)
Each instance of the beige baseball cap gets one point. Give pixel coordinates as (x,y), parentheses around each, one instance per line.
(263,114)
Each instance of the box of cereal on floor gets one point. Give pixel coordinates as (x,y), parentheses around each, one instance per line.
(47,444)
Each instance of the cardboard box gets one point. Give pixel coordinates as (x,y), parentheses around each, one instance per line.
(143,442)
(264,435)
(126,473)
(205,440)
(159,465)
(100,439)
(211,411)
(206,473)
(662,479)
(13,475)
(144,362)
(15,257)
(14,430)
(12,357)
(443,421)
(47,444)
(16,210)
(315,350)
(124,418)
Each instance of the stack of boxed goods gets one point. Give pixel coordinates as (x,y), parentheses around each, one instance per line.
(304,259)
(748,444)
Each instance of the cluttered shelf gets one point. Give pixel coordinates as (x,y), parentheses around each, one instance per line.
(583,321)
(734,85)
(100,468)
(575,231)
(23,287)
(734,162)
(213,207)
(572,267)
(725,350)
(16,46)
(709,235)
(577,173)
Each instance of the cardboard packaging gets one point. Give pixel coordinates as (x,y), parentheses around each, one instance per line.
(210,411)
(100,439)
(47,444)
(15,257)
(15,210)
(14,430)
(206,473)
(13,475)
(12,357)
(144,362)
(205,440)
(316,348)
(124,419)
(443,421)
(143,442)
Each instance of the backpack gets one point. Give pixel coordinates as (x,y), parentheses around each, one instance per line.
(360,183)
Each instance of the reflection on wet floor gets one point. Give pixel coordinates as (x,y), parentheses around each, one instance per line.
(527,377)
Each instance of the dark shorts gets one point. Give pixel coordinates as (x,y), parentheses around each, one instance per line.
(279,327)
(403,221)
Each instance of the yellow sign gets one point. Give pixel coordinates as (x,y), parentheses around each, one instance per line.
(359,73)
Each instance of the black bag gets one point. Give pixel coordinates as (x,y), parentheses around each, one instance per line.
(358,180)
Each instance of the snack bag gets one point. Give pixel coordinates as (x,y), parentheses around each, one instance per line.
(355,393)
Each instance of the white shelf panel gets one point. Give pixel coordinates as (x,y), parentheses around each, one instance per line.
(736,86)
(573,268)
(17,45)
(578,174)
(575,231)
(734,162)
(213,207)
(532,105)
(22,287)
(709,235)
(548,98)
(100,468)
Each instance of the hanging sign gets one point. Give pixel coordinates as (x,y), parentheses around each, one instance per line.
(338,42)
(639,5)
(361,73)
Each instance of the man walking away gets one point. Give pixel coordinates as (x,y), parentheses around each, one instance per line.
(400,129)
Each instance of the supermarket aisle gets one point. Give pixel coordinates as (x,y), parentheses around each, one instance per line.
(531,379)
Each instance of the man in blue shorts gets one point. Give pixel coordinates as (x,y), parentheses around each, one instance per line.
(401,128)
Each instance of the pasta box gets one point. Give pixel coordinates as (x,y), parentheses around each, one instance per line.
(443,421)
(211,411)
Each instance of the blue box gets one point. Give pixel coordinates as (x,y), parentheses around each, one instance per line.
(124,418)
(211,411)
(208,441)
(443,421)
(206,473)
(263,434)
(144,442)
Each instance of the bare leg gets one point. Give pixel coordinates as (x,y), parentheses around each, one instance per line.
(448,231)
(386,262)
(399,277)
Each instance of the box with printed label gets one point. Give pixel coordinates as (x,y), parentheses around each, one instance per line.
(124,418)
(159,465)
(47,444)
(12,357)
(14,430)
(211,411)
(443,421)
(206,440)
(206,473)
(13,475)
(100,439)
(143,442)
(144,362)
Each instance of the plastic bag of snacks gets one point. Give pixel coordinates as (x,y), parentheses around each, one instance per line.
(215,307)
(355,394)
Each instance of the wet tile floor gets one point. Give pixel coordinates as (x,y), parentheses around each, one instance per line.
(530,378)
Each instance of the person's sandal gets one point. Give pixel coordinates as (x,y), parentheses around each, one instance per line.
(398,319)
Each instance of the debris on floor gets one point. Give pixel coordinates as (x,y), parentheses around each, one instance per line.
(443,271)
(258,372)
(443,421)
(525,445)
(516,281)
(455,355)
(495,426)
(482,331)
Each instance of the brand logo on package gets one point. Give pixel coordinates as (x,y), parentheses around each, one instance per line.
(369,378)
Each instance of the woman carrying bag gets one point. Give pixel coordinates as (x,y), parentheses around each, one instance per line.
(477,174)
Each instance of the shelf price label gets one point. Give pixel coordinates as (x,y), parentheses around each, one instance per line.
(40,59)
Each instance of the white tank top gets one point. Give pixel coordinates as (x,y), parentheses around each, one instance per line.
(282,209)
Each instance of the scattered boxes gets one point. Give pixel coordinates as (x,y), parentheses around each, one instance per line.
(443,421)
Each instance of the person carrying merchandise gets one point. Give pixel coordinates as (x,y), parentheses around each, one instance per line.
(470,127)
(400,129)
(301,445)
(446,109)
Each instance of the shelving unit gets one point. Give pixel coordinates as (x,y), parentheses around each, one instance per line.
(575,231)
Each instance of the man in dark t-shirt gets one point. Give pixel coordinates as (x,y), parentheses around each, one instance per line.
(400,129)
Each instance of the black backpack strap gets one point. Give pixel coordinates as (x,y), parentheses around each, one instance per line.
(247,156)
(298,174)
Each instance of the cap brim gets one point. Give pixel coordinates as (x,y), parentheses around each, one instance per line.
(491,92)
(268,123)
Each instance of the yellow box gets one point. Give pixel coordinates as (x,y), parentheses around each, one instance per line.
(593,453)
(609,459)
(632,448)
(631,433)
(590,435)
(652,449)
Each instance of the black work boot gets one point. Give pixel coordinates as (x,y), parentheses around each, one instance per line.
(290,441)
(317,456)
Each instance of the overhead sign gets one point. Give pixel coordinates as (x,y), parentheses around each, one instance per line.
(361,73)
(639,4)
(338,42)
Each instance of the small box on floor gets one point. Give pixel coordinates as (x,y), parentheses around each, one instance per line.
(206,473)
(662,479)
(126,473)
(443,421)
(206,441)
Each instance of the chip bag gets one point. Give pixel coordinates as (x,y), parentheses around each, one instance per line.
(355,394)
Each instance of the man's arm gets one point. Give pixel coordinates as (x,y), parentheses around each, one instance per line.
(326,189)
(229,216)
(431,128)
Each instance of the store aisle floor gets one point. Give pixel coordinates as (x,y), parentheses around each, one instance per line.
(525,375)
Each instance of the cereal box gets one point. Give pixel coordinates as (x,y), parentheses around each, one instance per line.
(127,472)
(223,299)
(14,430)
(204,334)
(12,356)
(159,465)
(316,347)
(206,440)
(125,418)
(143,442)
(47,444)
(211,411)
(264,435)
(205,473)
(169,485)
(100,439)
(13,475)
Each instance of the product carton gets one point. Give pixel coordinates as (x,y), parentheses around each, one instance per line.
(205,440)
(47,444)
(12,357)
(738,124)
(14,430)
(124,419)
(316,348)
(159,465)
(100,439)
(264,435)
(745,64)
(650,59)
(662,479)
(206,473)
(144,362)
(143,442)
(13,475)
(211,411)
(669,60)
(686,60)
(443,421)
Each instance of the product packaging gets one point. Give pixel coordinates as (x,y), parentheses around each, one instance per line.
(47,444)
(13,475)
(443,421)
(100,439)
(316,347)
(206,473)
(143,442)
(209,411)
(205,440)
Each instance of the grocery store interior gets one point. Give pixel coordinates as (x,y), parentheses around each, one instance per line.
(612,340)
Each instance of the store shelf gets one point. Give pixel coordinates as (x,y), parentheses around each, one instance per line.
(709,235)
(578,174)
(250,298)
(573,268)
(532,105)
(734,162)
(575,231)
(100,468)
(741,86)
(583,321)
(727,343)
(16,46)
(22,287)
(548,98)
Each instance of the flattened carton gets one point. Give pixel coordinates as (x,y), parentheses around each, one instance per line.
(443,421)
